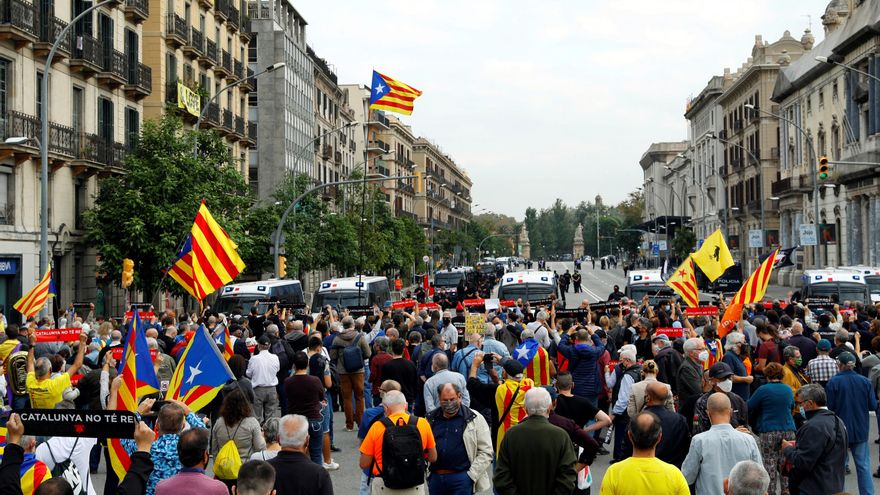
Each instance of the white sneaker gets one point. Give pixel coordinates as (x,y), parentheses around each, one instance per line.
(332,466)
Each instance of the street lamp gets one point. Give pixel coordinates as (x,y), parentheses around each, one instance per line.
(229,86)
(43,141)
(818,258)
(830,61)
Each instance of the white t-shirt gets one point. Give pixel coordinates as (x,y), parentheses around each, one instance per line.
(75,449)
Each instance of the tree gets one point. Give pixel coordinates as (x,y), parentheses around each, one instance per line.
(146,212)
(684,242)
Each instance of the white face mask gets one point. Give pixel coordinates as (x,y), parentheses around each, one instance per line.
(499,326)
(726,385)
(703,356)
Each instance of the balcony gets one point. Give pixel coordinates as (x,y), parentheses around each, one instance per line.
(176,31)
(206,3)
(378,145)
(227,65)
(114,68)
(239,128)
(244,31)
(211,117)
(224,65)
(780,187)
(194,48)
(247,84)
(86,57)
(234,19)
(326,152)
(238,69)
(227,123)
(96,151)
(401,213)
(251,136)
(136,11)
(62,140)
(49,33)
(754,155)
(337,156)
(405,186)
(18,22)
(755,206)
(221,10)
(140,82)
(209,56)
(737,125)
(754,114)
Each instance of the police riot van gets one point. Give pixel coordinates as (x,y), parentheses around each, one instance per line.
(530,286)
(641,283)
(872,278)
(447,280)
(341,293)
(838,284)
(245,295)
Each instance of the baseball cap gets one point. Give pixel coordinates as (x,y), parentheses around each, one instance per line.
(846,358)
(720,370)
(824,345)
(263,340)
(513,367)
(660,336)
(552,391)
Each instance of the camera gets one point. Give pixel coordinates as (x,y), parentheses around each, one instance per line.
(488,360)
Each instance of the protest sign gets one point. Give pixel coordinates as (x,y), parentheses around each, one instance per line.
(671,332)
(358,311)
(116,352)
(78,423)
(474,324)
(57,334)
(702,311)
(406,303)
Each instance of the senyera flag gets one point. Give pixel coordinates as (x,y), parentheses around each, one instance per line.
(200,374)
(138,379)
(751,291)
(34,300)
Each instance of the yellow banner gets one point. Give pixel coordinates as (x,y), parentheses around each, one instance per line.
(188,99)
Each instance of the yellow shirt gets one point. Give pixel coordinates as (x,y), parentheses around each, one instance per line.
(45,394)
(640,475)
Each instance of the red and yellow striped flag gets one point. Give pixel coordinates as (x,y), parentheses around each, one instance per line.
(392,95)
(684,282)
(503,395)
(36,298)
(754,288)
(215,261)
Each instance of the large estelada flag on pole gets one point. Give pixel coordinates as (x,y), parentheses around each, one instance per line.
(34,300)
(200,374)
(684,282)
(213,258)
(181,270)
(392,95)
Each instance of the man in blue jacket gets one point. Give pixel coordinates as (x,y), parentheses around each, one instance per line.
(851,396)
(582,362)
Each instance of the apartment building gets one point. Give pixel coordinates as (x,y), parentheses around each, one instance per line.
(283,100)
(398,162)
(444,201)
(97,84)
(660,220)
(335,147)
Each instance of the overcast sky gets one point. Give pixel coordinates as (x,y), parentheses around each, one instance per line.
(539,100)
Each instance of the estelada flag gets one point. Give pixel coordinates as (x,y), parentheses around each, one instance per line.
(754,288)
(684,281)
(714,256)
(536,361)
(392,95)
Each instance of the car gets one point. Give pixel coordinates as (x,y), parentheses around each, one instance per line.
(641,283)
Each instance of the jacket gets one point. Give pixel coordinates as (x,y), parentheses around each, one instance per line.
(300,476)
(668,361)
(478,443)
(637,396)
(582,364)
(851,396)
(535,457)
(689,379)
(819,454)
(345,339)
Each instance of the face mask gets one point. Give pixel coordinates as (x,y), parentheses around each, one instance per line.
(446,321)
(803,411)
(450,406)
(665,308)
(703,356)
(798,361)
(499,326)
(726,385)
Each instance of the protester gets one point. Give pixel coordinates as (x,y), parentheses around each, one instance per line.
(349,351)
(464,445)
(237,423)
(822,368)
(720,380)
(255,477)
(637,397)
(674,444)
(578,409)
(271,437)
(504,398)
(305,397)
(263,369)
(818,453)
(747,478)
(737,349)
(791,369)
(668,361)
(713,453)
(535,438)
(772,404)
(441,376)
(402,371)
(582,357)
(621,380)
(45,390)
(296,474)
(192,448)
(690,374)
(643,472)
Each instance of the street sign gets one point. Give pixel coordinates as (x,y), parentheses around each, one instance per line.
(425,259)
(655,249)
(808,234)
(755,239)
(662,246)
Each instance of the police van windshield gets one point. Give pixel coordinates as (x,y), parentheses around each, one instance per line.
(655,293)
(842,291)
(341,299)
(447,279)
(228,304)
(528,292)
(873,283)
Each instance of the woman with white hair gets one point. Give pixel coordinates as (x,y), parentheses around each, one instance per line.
(737,351)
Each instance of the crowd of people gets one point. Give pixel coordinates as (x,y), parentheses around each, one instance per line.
(523,403)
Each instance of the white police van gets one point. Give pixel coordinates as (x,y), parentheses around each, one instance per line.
(447,280)
(641,283)
(530,286)
(341,293)
(838,284)
(872,278)
(244,295)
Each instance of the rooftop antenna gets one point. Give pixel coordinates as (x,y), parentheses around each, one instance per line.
(809,21)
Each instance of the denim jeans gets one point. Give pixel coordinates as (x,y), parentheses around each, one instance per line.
(365,484)
(368,389)
(862,459)
(316,441)
(450,484)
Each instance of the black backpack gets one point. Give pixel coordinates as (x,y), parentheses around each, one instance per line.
(403,458)
(277,348)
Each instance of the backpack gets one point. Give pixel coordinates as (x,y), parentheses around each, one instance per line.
(228,462)
(507,337)
(277,348)
(403,459)
(67,469)
(352,356)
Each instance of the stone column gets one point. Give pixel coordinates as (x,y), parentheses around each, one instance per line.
(875,232)
(856,238)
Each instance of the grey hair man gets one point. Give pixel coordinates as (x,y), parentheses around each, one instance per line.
(535,438)
(541,328)
(293,464)
(747,478)
(689,379)
(442,375)
(39,388)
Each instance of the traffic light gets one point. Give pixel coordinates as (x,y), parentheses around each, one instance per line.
(282,267)
(127,272)
(823,168)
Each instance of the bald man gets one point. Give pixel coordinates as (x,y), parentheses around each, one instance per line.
(673,447)
(713,453)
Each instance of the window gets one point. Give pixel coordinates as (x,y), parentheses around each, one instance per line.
(4,90)
(809,104)
(85,25)
(105,119)
(132,128)
(834,91)
(171,69)
(39,105)
(821,99)
(76,115)
(79,202)
(252,51)
(7,195)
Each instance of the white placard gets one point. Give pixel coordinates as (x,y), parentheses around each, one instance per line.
(808,234)
(755,239)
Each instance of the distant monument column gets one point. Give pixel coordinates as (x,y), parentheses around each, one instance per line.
(525,249)
(579,241)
